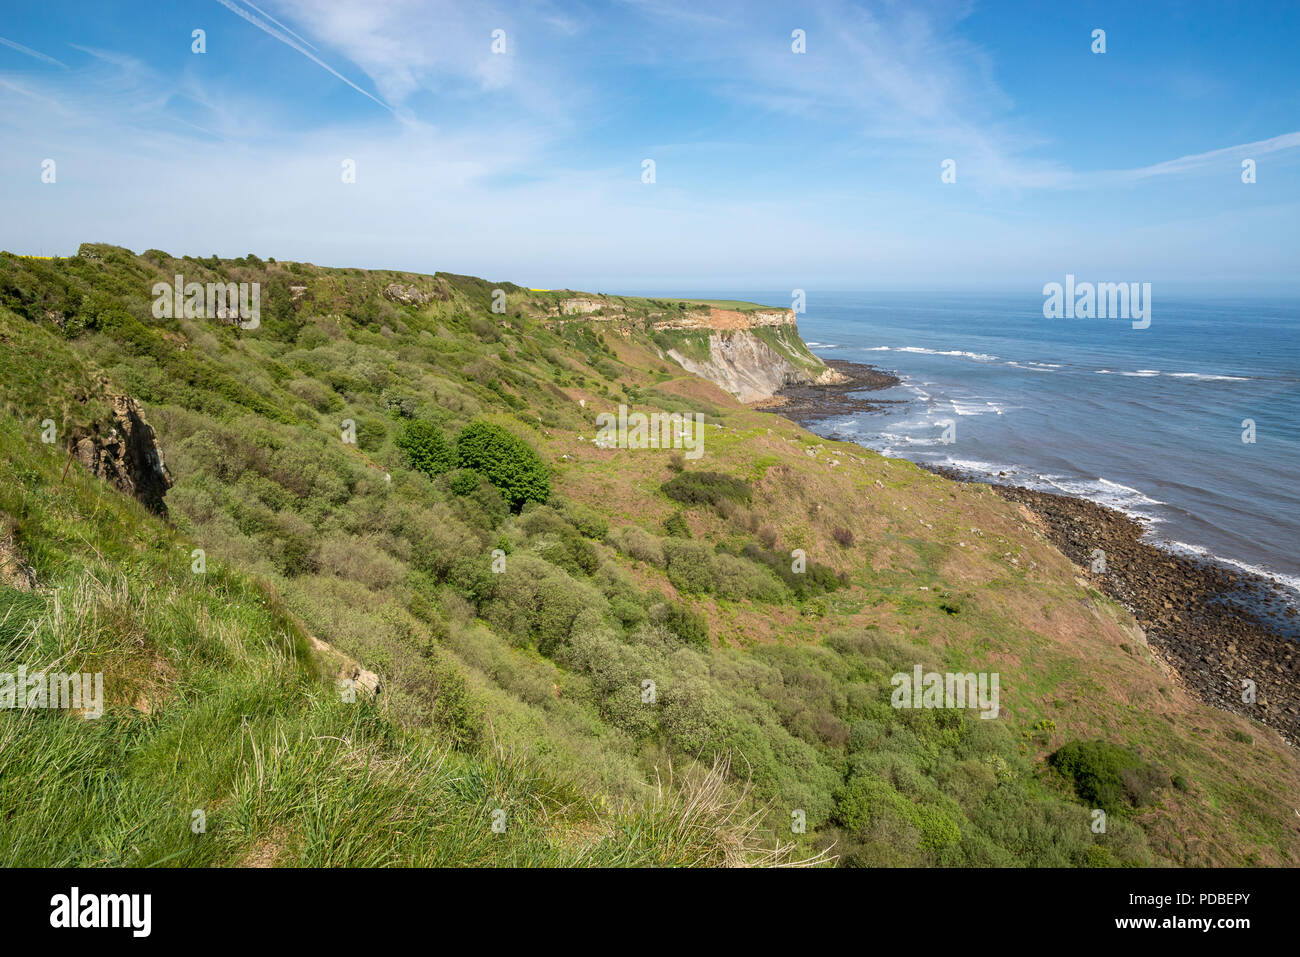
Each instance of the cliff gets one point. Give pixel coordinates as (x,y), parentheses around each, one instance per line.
(513,647)
(752,354)
(749,350)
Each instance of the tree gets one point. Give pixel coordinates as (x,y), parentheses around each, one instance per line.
(426,448)
(506,461)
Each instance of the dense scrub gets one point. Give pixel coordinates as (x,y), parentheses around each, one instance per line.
(516,627)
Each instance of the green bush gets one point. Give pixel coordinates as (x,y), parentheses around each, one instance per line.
(814,580)
(506,461)
(463,481)
(707,488)
(477,501)
(690,627)
(588,522)
(690,566)
(426,448)
(636,542)
(535,601)
(864,801)
(676,527)
(455,710)
(1098,855)
(1106,775)
(559,542)
(738,578)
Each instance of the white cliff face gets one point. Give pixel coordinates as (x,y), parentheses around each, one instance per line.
(747,367)
(753,353)
(582,306)
(729,319)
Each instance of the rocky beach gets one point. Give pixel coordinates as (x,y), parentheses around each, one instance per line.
(1216,626)
(811,402)
(1228,634)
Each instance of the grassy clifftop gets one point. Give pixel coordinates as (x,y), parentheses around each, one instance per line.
(552,655)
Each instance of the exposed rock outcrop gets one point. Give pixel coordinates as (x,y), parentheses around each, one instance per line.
(413,295)
(753,352)
(128,456)
(750,366)
(743,364)
(715,318)
(349,671)
(581,306)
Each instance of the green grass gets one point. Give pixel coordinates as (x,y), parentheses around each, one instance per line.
(518,690)
(738,305)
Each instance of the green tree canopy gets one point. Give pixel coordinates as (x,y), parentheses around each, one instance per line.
(506,461)
(426,448)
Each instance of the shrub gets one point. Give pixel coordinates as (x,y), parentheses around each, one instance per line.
(559,542)
(588,522)
(844,536)
(426,448)
(506,461)
(463,481)
(690,566)
(814,580)
(477,502)
(316,395)
(1098,855)
(738,578)
(707,488)
(535,601)
(636,542)
(676,527)
(1106,775)
(438,541)
(454,708)
(484,329)
(372,433)
(690,627)
(864,800)
(402,406)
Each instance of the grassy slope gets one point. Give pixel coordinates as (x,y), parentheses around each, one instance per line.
(216,705)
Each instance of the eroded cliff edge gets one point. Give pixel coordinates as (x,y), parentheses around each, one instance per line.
(750,351)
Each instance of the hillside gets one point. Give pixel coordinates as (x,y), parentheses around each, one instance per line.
(386,466)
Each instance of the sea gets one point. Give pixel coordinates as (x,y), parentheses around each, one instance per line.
(1191,424)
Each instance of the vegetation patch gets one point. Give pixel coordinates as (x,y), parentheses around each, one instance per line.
(707,488)
(1108,776)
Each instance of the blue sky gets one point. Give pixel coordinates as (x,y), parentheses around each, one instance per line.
(773,168)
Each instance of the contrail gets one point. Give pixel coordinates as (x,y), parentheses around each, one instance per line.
(289,41)
(278,23)
(32,53)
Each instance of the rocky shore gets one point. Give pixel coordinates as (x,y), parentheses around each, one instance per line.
(811,402)
(1215,626)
